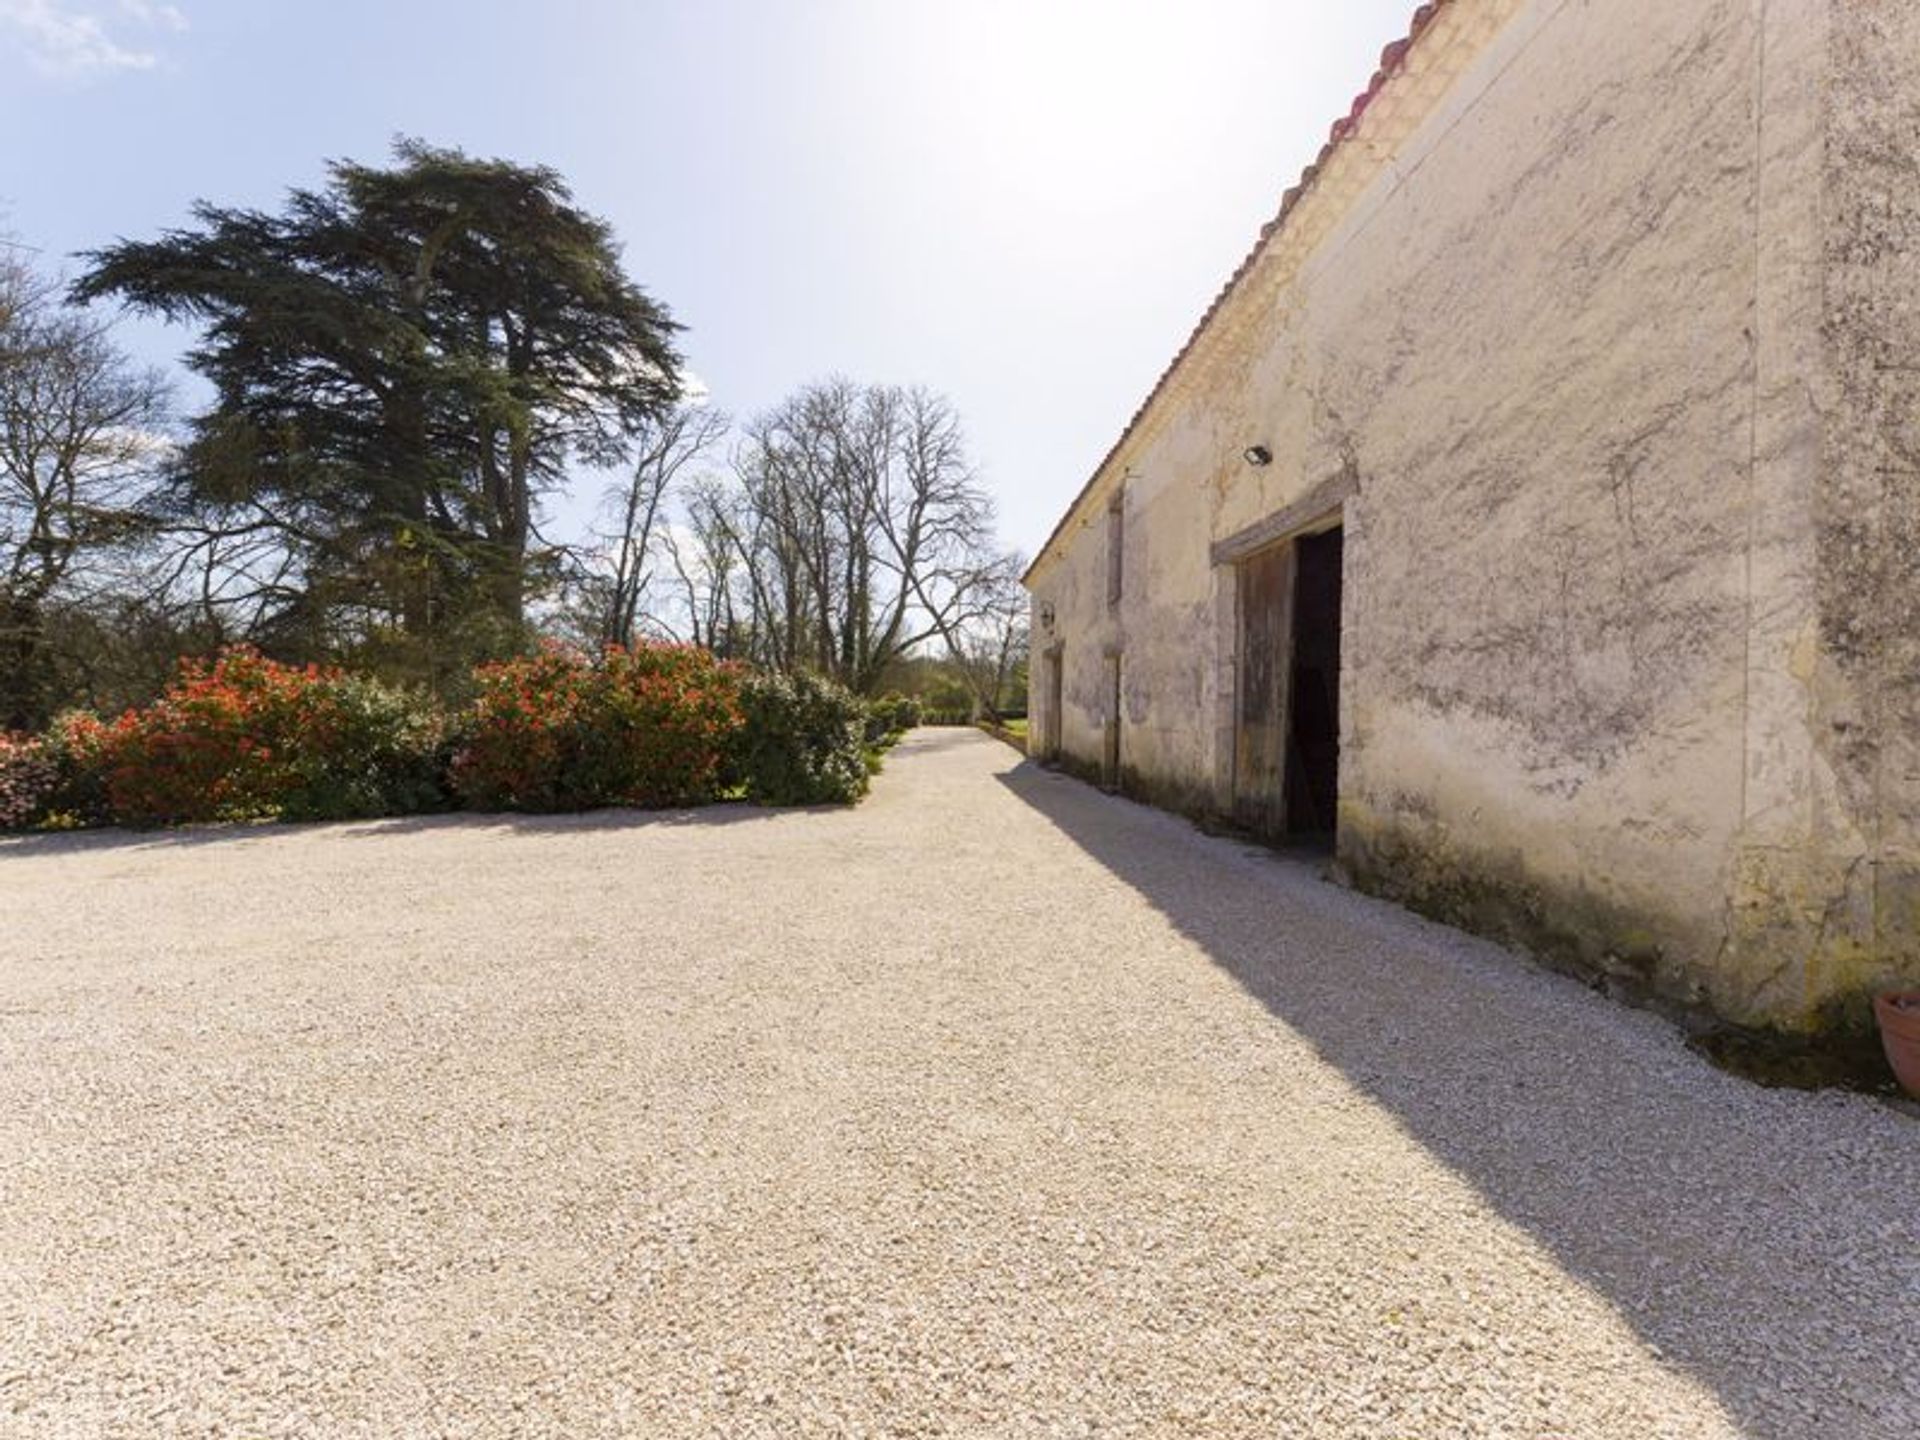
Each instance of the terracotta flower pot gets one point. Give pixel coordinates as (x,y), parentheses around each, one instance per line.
(1898,1012)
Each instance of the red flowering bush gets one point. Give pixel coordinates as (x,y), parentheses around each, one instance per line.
(559,730)
(29,775)
(77,745)
(212,747)
(242,737)
(245,738)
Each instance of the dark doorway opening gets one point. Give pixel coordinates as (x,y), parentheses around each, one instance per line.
(1313,721)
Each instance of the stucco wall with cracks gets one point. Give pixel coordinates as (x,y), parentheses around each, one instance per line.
(1609,305)
(1831,901)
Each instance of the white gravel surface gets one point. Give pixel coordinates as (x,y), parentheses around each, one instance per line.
(995,1107)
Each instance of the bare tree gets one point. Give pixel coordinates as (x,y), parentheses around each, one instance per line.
(990,649)
(707,563)
(621,569)
(967,590)
(862,531)
(79,450)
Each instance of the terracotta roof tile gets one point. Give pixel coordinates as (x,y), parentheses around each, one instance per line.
(1391,60)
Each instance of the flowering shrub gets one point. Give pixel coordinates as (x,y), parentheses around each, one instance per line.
(358,748)
(802,743)
(243,737)
(29,775)
(214,746)
(77,744)
(562,731)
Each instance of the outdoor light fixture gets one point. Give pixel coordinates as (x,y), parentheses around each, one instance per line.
(1046,616)
(1258,455)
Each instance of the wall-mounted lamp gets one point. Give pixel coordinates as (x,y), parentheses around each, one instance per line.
(1046,616)
(1258,455)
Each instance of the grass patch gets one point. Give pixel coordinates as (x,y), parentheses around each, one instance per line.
(1012,732)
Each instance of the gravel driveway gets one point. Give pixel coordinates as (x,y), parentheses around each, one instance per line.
(995,1107)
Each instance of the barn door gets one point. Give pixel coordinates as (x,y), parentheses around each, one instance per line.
(1053,737)
(1266,587)
(1110,761)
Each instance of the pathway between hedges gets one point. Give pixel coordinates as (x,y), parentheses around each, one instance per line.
(995,1107)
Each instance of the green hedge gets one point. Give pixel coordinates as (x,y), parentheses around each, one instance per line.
(242,737)
(802,741)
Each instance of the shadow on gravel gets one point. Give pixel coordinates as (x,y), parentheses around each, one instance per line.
(1767,1243)
(536,826)
(705,816)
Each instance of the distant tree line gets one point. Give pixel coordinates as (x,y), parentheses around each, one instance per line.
(846,535)
(407,365)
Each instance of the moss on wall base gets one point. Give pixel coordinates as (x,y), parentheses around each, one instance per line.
(1667,963)
(1195,801)
(1574,931)
(1661,962)
(1078,767)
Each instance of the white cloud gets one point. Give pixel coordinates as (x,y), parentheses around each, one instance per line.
(166,17)
(67,40)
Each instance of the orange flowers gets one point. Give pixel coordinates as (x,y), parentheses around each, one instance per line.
(242,737)
(561,730)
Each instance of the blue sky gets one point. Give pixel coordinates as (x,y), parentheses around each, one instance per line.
(1024,205)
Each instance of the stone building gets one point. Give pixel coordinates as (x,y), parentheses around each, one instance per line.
(1537,511)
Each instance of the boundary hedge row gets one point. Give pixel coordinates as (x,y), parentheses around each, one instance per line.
(243,737)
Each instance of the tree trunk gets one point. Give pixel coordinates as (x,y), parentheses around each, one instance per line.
(23,665)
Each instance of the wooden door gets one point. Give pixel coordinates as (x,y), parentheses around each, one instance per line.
(1266,587)
(1110,766)
(1055,735)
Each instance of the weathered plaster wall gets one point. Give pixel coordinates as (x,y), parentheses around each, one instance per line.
(1629,629)
(1548,701)
(1853,889)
